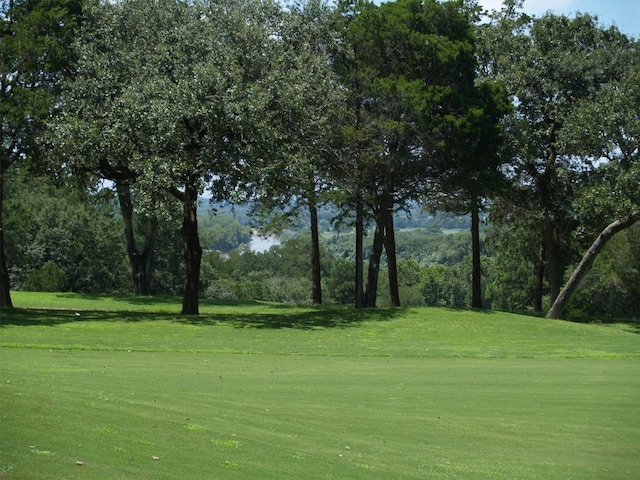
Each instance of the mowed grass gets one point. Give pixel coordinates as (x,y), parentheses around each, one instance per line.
(130,390)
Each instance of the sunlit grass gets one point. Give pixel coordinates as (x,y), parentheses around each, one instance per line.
(129,389)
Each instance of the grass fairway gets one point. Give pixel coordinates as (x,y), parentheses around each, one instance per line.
(263,391)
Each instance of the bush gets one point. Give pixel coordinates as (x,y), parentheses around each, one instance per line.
(411,297)
(340,286)
(604,296)
(49,278)
(220,290)
(444,287)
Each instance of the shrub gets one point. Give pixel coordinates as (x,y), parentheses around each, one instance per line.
(49,278)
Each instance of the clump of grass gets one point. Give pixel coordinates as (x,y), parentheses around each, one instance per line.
(227,443)
(195,428)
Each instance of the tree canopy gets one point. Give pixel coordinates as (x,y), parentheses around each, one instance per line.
(378,108)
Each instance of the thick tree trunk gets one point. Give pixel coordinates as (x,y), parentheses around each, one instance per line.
(359,253)
(390,248)
(316,274)
(552,241)
(587,260)
(140,260)
(191,250)
(371,291)
(5,283)
(537,301)
(476,268)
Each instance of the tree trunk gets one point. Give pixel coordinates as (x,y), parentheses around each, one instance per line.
(390,248)
(145,258)
(191,250)
(371,291)
(140,260)
(587,260)
(537,301)
(5,283)
(316,274)
(476,268)
(359,253)
(552,241)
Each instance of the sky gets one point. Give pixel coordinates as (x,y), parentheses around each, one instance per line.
(625,14)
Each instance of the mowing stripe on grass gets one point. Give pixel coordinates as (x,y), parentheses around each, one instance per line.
(128,389)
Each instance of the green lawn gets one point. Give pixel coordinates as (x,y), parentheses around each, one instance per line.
(265,391)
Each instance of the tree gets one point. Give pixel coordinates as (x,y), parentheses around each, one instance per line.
(548,64)
(606,127)
(34,40)
(62,238)
(310,103)
(93,136)
(407,65)
(194,88)
(471,172)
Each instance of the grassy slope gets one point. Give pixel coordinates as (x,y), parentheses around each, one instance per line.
(266,391)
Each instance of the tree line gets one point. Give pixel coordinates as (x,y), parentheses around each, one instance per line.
(62,239)
(372,108)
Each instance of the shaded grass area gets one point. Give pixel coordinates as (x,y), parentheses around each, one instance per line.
(132,390)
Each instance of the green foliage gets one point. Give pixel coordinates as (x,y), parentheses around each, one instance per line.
(611,289)
(35,39)
(409,67)
(426,246)
(75,232)
(612,188)
(222,232)
(282,274)
(49,278)
(339,285)
(443,286)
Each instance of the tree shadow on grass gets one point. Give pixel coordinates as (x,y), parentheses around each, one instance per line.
(54,317)
(159,300)
(285,317)
(315,318)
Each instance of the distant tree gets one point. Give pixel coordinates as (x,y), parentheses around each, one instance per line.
(223,233)
(34,55)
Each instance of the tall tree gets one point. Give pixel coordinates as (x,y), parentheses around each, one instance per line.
(548,64)
(406,66)
(470,173)
(34,40)
(309,106)
(197,90)
(606,129)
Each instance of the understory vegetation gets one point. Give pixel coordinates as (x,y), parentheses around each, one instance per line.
(57,246)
